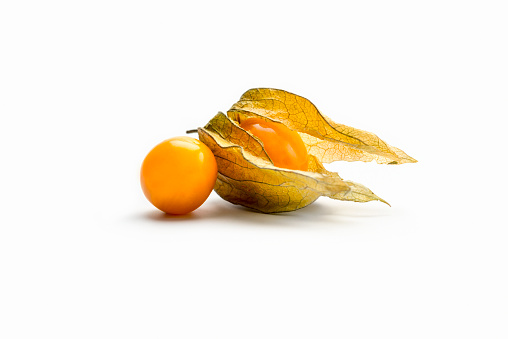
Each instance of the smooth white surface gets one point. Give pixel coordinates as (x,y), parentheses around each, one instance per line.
(88,88)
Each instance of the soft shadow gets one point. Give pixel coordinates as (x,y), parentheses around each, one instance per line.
(320,212)
(164,217)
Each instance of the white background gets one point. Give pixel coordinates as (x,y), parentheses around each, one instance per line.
(87,88)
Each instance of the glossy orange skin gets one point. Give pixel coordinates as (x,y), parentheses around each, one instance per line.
(178,175)
(284,146)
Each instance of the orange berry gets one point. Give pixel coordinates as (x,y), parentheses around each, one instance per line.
(284,146)
(178,175)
